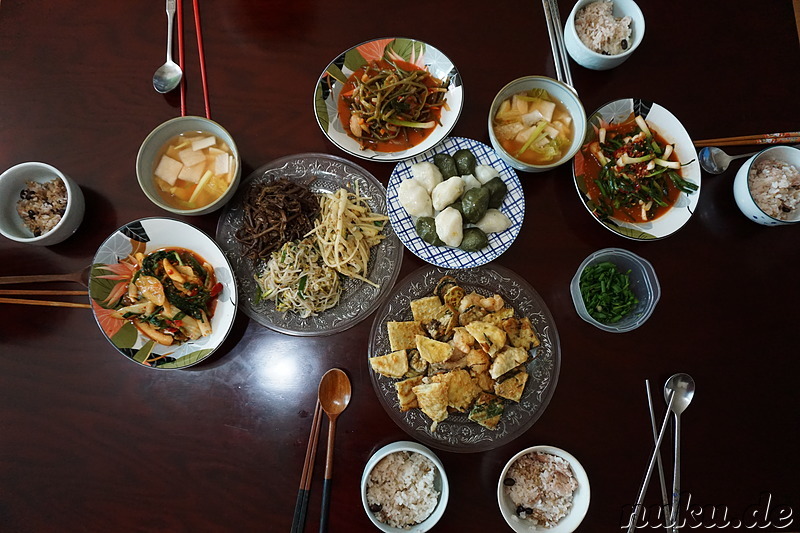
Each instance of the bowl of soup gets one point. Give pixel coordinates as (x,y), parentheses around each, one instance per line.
(189,166)
(536,123)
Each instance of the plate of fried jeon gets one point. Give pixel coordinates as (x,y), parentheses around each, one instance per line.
(464,360)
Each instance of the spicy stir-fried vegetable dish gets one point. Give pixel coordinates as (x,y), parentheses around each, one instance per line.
(171,296)
(637,173)
(391,106)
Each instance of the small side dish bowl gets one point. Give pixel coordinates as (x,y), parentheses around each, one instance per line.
(411,55)
(591,59)
(440,485)
(643,283)
(151,152)
(772,196)
(558,90)
(14,189)
(580,497)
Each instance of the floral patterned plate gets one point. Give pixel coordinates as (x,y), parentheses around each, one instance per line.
(326,94)
(110,272)
(457,433)
(670,128)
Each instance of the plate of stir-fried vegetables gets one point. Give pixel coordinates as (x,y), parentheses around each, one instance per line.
(388,99)
(163,293)
(637,171)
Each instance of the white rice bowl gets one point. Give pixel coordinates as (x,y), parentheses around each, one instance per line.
(404,488)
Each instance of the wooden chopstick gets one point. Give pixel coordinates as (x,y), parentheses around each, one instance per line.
(199,32)
(40,292)
(47,303)
(301,508)
(788,137)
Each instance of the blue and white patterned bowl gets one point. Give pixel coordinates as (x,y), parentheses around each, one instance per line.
(445,256)
(743,195)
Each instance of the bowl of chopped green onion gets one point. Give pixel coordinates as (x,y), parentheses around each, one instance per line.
(615,290)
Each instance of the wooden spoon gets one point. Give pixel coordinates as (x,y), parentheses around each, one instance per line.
(334,396)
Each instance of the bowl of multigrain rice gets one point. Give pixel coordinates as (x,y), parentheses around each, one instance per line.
(767,187)
(404,488)
(602,34)
(40,204)
(543,488)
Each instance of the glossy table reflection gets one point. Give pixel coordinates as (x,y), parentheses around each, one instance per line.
(91,442)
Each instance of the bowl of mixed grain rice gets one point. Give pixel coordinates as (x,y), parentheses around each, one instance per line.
(602,34)
(767,186)
(40,205)
(404,488)
(543,488)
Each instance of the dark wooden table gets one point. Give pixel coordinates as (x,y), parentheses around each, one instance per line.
(91,442)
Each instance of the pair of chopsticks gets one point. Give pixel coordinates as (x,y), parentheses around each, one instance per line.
(560,58)
(789,137)
(42,292)
(301,508)
(199,32)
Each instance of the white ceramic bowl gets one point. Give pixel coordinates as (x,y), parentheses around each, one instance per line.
(440,484)
(565,94)
(743,195)
(580,501)
(13,181)
(590,59)
(146,160)
(643,283)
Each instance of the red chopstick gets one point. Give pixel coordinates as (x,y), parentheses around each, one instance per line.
(199,32)
(180,57)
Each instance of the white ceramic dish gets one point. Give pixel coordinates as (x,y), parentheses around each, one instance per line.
(333,78)
(441,485)
(148,151)
(580,502)
(558,90)
(741,189)
(147,235)
(643,283)
(670,128)
(590,59)
(13,181)
(446,256)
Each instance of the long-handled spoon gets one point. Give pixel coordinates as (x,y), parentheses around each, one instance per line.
(715,161)
(334,396)
(680,389)
(168,75)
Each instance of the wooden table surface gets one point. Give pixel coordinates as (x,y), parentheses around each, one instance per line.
(91,442)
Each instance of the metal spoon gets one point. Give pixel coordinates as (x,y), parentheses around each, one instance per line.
(334,396)
(680,389)
(715,161)
(168,75)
